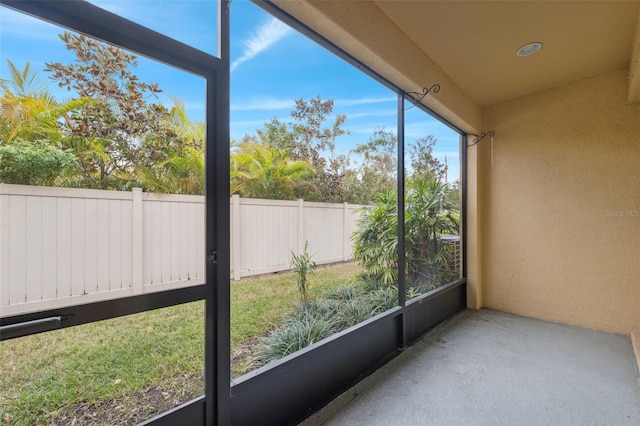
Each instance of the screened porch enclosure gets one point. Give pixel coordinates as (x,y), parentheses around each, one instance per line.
(523,305)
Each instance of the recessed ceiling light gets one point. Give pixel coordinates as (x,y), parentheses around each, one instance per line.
(529,49)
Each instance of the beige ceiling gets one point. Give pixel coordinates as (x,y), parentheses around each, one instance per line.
(475,42)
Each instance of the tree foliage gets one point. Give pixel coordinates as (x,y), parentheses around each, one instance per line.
(309,138)
(180,170)
(428,215)
(423,163)
(379,169)
(119,129)
(113,134)
(35,163)
(260,171)
(116,136)
(28,110)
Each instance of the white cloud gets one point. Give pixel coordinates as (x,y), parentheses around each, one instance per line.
(266,36)
(269,104)
(249,123)
(264,104)
(363,101)
(391,113)
(369,128)
(428,126)
(240,128)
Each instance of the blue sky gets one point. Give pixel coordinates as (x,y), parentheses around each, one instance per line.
(271,65)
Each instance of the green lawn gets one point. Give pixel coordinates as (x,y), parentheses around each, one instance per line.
(125,369)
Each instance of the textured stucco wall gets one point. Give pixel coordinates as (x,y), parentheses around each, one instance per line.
(560,210)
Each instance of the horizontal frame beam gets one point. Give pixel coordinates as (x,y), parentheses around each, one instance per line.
(98,311)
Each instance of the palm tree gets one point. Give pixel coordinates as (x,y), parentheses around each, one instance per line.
(376,239)
(182,169)
(260,171)
(428,215)
(28,111)
(192,133)
(181,173)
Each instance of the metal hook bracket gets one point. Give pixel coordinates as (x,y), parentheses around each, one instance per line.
(417,97)
(482,135)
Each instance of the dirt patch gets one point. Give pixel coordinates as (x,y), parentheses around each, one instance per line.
(133,408)
(241,358)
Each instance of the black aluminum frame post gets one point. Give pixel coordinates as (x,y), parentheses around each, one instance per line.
(95,22)
(217,301)
(402,294)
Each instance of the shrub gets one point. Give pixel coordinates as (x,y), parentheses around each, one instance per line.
(292,336)
(429,213)
(383,299)
(320,308)
(34,163)
(343,292)
(354,311)
(338,309)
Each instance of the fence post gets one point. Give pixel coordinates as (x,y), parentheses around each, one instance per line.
(300,225)
(235,237)
(137,229)
(345,232)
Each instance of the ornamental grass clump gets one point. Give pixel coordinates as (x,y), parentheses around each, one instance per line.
(303,266)
(293,335)
(338,309)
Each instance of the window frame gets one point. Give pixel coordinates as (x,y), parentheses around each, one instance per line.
(95,22)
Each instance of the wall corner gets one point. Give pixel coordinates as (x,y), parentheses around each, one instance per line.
(635,340)
(472,231)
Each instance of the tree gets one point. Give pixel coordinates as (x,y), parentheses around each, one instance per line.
(28,111)
(179,174)
(30,136)
(310,138)
(423,163)
(191,133)
(428,215)
(379,169)
(118,130)
(307,138)
(260,171)
(182,172)
(376,239)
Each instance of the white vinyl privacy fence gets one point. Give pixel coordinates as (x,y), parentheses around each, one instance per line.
(61,246)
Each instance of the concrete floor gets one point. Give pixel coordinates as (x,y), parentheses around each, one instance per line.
(490,368)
